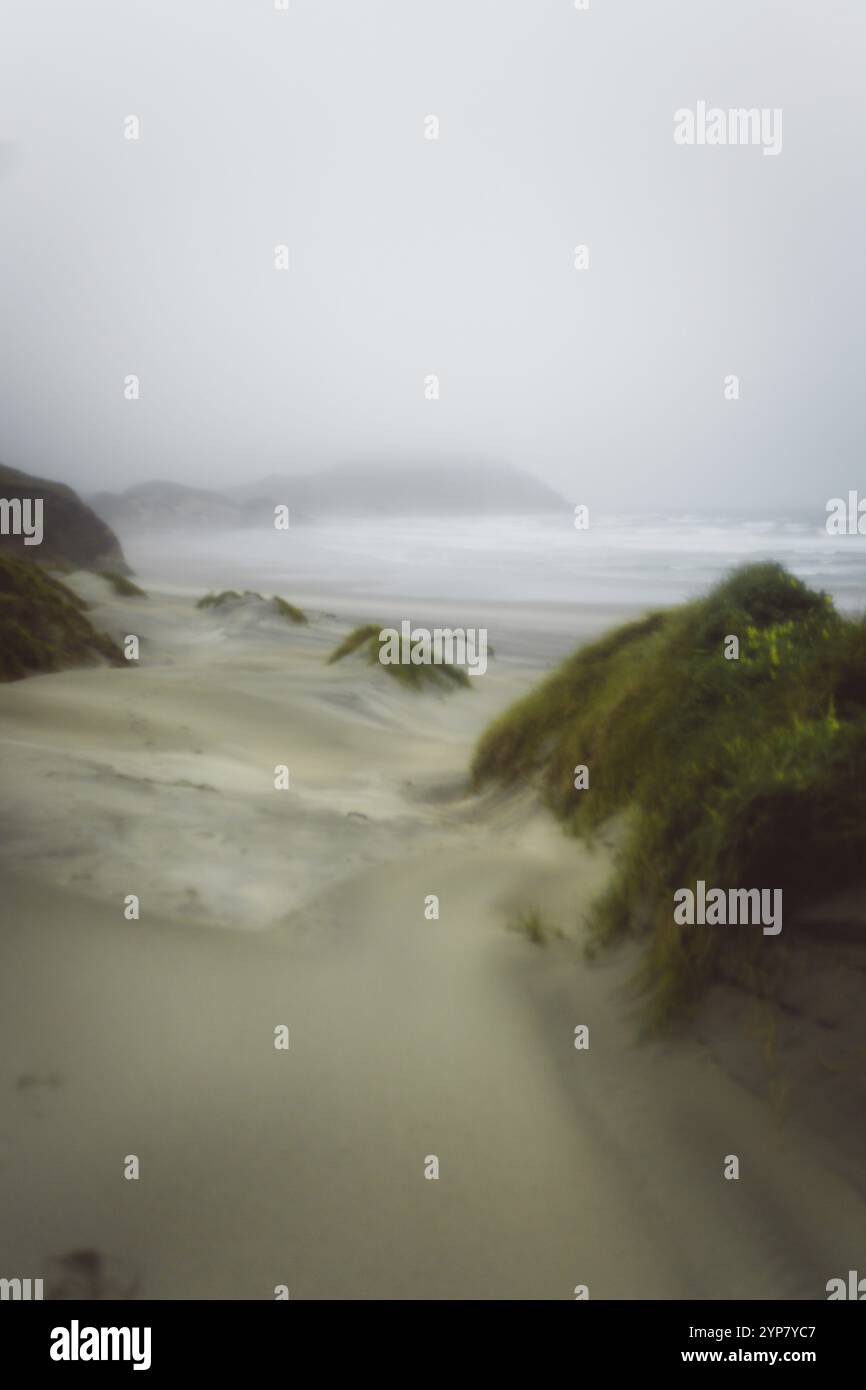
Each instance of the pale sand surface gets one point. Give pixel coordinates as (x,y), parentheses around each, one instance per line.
(408,1037)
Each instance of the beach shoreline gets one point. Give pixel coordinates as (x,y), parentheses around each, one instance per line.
(409,1037)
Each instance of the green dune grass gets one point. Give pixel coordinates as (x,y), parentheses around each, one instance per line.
(743,773)
(121,585)
(289,611)
(365,640)
(42,624)
(283,607)
(217,600)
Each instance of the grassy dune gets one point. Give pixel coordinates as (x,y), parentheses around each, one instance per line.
(121,585)
(283,607)
(289,611)
(42,624)
(743,773)
(226,596)
(365,640)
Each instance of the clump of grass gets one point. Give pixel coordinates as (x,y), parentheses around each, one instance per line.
(532,925)
(121,585)
(217,600)
(366,640)
(360,637)
(289,611)
(743,773)
(283,607)
(42,624)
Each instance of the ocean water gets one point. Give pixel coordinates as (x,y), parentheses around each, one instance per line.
(619,563)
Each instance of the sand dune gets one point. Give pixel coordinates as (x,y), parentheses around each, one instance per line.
(409,1037)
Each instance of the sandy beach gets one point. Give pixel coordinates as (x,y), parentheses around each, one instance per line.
(408,1037)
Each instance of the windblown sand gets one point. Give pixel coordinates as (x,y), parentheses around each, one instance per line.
(409,1037)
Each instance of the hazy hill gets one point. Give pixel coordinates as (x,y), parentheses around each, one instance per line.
(74,537)
(453,490)
(157,504)
(436,489)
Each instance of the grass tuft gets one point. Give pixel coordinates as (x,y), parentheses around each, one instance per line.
(283,607)
(289,611)
(366,640)
(217,600)
(121,585)
(532,925)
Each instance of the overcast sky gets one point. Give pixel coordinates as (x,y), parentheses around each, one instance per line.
(410,256)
